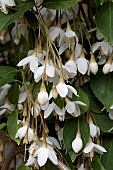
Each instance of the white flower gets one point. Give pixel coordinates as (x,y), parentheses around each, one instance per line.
(73,107)
(42,95)
(4,90)
(40,70)
(22,132)
(94,147)
(77,144)
(111,113)
(32,60)
(45,152)
(6,107)
(53,93)
(93,66)
(71,68)
(67,40)
(106,48)
(53,107)
(108,66)
(31,160)
(55,32)
(82,64)
(5,3)
(94,130)
(63,89)
(35,111)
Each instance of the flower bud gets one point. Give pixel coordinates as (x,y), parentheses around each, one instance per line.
(107,66)
(54,92)
(93,65)
(43,95)
(77,144)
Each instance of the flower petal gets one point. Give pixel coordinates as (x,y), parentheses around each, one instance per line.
(50,70)
(49,110)
(42,156)
(39,73)
(72,89)
(22,97)
(52,156)
(24,61)
(62,89)
(111,114)
(21,132)
(33,64)
(70,107)
(88,147)
(99,149)
(30,134)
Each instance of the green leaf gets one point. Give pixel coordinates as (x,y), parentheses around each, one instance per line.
(2,125)
(102,87)
(83,98)
(59,4)
(59,102)
(12,126)
(7,74)
(69,134)
(36,90)
(23,167)
(95,105)
(96,164)
(103,121)
(6,20)
(13,94)
(50,165)
(104,20)
(107,158)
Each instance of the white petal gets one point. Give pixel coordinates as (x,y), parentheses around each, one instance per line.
(42,97)
(55,142)
(62,48)
(53,157)
(80,103)
(72,89)
(82,65)
(70,107)
(21,132)
(24,61)
(39,72)
(62,89)
(78,50)
(33,64)
(96,46)
(22,97)
(111,114)
(9,2)
(30,134)
(50,70)
(93,130)
(77,144)
(45,106)
(54,33)
(59,111)
(70,33)
(50,95)
(99,149)
(2,111)
(49,110)
(102,60)
(88,147)
(42,156)
(104,47)
(78,112)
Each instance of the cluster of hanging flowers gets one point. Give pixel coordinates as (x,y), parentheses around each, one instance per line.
(52,78)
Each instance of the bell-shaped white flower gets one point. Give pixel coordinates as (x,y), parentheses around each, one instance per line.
(35,111)
(51,108)
(31,160)
(73,107)
(3,91)
(93,147)
(23,130)
(55,32)
(93,66)
(32,60)
(53,92)
(42,95)
(49,70)
(77,143)
(45,152)
(82,64)
(105,47)
(107,67)
(67,40)
(63,89)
